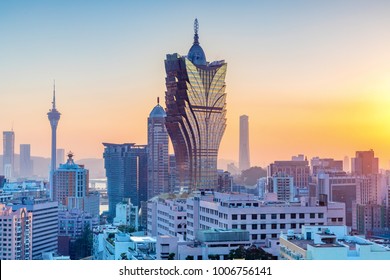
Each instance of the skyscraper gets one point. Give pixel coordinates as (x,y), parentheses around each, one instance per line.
(157,152)
(244,161)
(26,164)
(127,174)
(365,163)
(54,117)
(8,154)
(196,114)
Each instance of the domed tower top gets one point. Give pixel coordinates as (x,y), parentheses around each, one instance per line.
(196,54)
(158,111)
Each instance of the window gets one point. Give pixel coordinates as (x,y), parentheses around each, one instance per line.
(274,235)
(293,216)
(312,215)
(301,224)
(283,216)
(339,219)
(320,215)
(254,226)
(273,226)
(263,236)
(254,217)
(282,226)
(301,215)
(254,236)
(273,216)
(243,217)
(243,226)
(262,216)
(293,226)
(334,219)
(234,226)
(262,226)
(234,217)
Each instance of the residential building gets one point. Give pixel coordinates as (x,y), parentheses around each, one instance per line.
(298,169)
(15,234)
(44,224)
(365,163)
(126,214)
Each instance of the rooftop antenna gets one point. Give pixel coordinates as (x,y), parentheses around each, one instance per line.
(54,94)
(196,29)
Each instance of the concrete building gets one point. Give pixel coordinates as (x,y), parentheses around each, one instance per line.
(329,243)
(126,214)
(9,154)
(44,224)
(167,216)
(283,186)
(263,219)
(158,158)
(325,165)
(26,163)
(298,169)
(244,156)
(196,114)
(225,181)
(365,163)
(15,234)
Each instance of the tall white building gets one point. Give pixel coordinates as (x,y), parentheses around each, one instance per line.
(15,234)
(44,225)
(126,214)
(158,158)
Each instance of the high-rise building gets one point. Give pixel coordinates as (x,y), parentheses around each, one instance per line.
(26,163)
(44,224)
(54,117)
(8,154)
(196,114)
(158,178)
(71,185)
(127,174)
(244,161)
(365,163)
(18,227)
(298,169)
(60,157)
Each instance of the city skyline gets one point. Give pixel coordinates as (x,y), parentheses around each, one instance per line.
(314,74)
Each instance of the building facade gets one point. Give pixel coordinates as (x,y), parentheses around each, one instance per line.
(244,160)
(44,224)
(158,158)
(196,114)
(26,164)
(127,174)
(71,184)
(15,233)
(8,154)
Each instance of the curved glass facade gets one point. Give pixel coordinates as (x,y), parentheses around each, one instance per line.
(196,118)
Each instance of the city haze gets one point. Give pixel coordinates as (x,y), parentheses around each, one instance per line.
(314,78)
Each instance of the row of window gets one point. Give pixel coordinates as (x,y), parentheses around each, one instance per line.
(273,226)
(275,216)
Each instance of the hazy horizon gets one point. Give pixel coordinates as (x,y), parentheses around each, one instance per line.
(313,77)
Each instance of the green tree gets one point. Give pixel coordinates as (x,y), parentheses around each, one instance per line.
(171,256)
(250,253)
(82,246)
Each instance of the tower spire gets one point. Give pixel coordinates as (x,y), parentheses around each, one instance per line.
(158,100)
(54,94)
(196,29)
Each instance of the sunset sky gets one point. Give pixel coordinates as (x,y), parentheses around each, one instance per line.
(313,76)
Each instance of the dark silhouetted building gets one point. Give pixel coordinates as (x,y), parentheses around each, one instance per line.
(196,114)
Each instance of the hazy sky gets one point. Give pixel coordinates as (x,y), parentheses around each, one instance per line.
(313,76)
